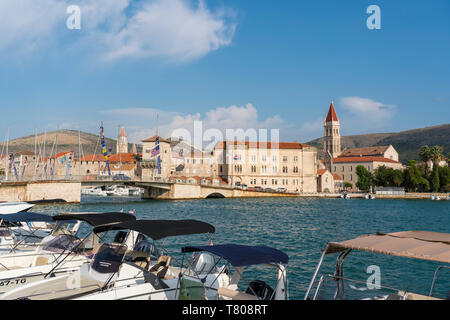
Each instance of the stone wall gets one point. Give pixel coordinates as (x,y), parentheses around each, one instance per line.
(36,191)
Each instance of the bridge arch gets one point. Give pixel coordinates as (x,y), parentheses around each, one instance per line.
(215,195)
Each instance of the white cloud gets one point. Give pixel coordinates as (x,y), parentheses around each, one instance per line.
(114,29)
(171,28)
(367,112)
(141,122)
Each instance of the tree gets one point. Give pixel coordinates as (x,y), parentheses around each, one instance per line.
(436,154)
(348,185)
(414,178)
(444,179)
(425,155)
(365,178)
(383,176)
(397,177)
(435,184)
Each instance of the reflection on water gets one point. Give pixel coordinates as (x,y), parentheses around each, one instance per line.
(299,227)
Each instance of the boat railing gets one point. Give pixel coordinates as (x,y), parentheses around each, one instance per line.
(330,287)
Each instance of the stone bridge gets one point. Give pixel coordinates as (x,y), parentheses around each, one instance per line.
(70,191)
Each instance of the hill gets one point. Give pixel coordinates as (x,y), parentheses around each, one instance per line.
(407,143)
(67,141)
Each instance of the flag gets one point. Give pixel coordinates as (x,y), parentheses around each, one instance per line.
(133,211)
(155,151)
(210,242)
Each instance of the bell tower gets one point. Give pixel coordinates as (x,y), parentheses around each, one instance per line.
(122,142)
(332,133)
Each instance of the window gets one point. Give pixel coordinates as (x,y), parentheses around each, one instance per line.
(351,168)
(285,158)
(342,168)
(274,158)
(253,158)
(264,158)
(274,169)
(295,158)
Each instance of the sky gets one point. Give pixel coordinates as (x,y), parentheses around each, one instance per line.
(235,64)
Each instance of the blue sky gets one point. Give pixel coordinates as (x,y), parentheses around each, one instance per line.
(231,64)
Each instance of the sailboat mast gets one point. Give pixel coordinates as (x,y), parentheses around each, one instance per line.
(79,153)
(54,160)
(43,154)
(35,151)
(7,157)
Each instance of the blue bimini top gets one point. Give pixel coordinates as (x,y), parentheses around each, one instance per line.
(241,256)
(26,217)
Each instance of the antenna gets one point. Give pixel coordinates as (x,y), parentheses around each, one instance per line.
(157,124)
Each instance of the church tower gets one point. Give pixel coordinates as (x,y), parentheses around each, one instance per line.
(122,142)
(332,134)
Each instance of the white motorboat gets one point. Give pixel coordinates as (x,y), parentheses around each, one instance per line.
(421,245)
(203,278)
(369,197)
(107,273)
(23,226)
(95,191)
(14,207)
(64,253)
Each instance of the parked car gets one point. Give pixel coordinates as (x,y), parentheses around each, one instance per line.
(251,189)
(259,189)
(282,190)
(244,187)
(269,190)
(121,177)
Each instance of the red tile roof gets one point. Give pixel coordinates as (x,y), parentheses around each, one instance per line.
(123,157)
(153,139)
(363,159)
(321,172)
(368,151)
(263,145)
(332,116)
(337,177)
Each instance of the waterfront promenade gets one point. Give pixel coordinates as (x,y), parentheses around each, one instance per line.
(70,191)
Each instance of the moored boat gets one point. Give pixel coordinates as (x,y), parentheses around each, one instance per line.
(422,245)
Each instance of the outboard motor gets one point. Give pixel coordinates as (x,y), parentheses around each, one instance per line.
(261,290)
(148,247)
(203,262)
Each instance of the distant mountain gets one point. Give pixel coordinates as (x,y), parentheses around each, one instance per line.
(67,141)
(407,143)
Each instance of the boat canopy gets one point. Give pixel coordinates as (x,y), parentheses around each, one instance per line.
(26,217)
(423,245)
(241,256)
(159,229)
(96,219)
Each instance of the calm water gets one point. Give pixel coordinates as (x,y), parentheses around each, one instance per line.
(301,228)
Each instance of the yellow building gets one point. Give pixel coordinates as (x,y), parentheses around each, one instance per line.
(284,165)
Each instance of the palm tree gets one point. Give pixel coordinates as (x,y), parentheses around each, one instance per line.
(425,155)
(436,155)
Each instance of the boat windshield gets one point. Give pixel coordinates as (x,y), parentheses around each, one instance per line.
(62,242)
(109,258)
(64,227)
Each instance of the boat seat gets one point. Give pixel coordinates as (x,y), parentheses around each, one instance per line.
(141,259)
(161,267)
(235,295)
(415,296)
(41,261)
